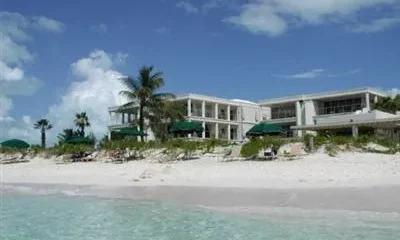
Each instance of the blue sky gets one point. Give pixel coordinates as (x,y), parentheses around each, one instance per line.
(64,56)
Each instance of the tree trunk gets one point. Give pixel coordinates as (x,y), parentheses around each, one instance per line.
(141,121)
(43,138)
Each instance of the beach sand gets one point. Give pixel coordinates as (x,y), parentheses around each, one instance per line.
(350,181)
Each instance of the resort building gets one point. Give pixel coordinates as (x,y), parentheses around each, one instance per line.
(343,112)
(228,119)
(349,112)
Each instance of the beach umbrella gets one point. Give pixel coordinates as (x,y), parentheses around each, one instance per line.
(263,129)
(186,126)
(129,131)
(15,143)
(80,140)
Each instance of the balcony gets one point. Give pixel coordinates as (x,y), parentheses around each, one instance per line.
(340,109)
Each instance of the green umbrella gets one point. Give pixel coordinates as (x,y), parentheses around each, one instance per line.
(15,143)
(186,126)
(262,129)
(129,131)
(80,140)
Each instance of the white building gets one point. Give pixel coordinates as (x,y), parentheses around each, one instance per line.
(348,111)
(339,111)
(221,118)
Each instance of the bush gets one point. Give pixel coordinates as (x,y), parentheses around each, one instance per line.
(8,150)
(252,148)
(69,149)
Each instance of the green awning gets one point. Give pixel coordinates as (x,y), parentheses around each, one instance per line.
(15,143)
(80,140)
(129,131)
(186,126)
(262,129)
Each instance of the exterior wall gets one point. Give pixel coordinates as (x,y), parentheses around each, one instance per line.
(347,118)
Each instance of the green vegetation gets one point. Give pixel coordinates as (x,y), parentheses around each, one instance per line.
(142,90)
(43,125)
(332,143)
(69,149)
(252,148)
(389,104)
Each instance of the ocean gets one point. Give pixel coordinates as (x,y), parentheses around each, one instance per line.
(61,217)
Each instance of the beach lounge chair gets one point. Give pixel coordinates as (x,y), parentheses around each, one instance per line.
(11,160)
(91,157)
(233,154)
(270,153)
(117,157)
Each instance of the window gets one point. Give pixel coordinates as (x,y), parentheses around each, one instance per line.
(340,106)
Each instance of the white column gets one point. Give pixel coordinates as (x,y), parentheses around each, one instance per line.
(228,110)
(189,108)
(375,99)
(203,134)
(229,132)
(216,111)
(203,109)
(216,131)
(354,131)
(298,118)
(109,134)
(367,103)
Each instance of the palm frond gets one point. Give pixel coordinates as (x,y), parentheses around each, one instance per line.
(130,95)
(131,83)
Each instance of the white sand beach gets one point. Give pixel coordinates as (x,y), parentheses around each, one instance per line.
(350,181)
(313,171)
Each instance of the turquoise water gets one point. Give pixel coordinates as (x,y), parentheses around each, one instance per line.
(48,217)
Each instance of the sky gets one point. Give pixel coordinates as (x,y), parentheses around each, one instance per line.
(58,57)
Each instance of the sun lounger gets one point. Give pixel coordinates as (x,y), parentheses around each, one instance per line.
(89,158)
(13,160)
(234,154)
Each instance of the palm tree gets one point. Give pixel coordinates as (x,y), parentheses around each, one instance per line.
(43,125)
(162,116)
(142,90)
(82,121)
(66,134)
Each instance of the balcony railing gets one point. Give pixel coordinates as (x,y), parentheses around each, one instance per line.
(283,114)
(340,109)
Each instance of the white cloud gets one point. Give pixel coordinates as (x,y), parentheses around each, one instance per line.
(188,7)
(394,92)
(310,74)
(101,28)
(45,23)
(5,107)
(96,88)
(163,30)
(377,25)
(15,30)
(259,19)
(318,72)
(211,4)
(9,73)
(273,17)
(27,120)
(11,51)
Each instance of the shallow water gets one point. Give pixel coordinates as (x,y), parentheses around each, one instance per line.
(61,217)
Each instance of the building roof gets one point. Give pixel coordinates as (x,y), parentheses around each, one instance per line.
(322,95)
(234,102)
